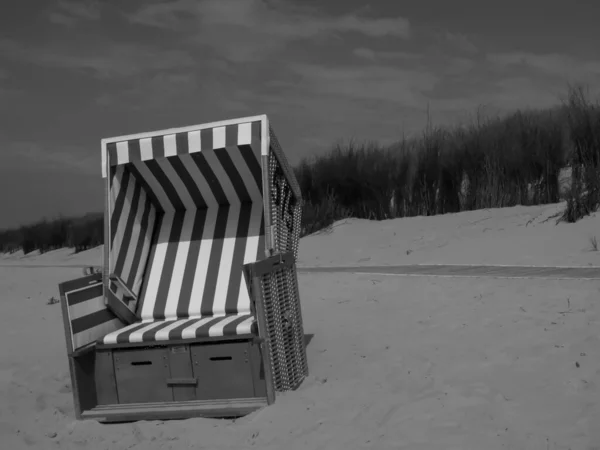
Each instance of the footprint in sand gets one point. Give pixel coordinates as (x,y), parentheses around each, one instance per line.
(40,402)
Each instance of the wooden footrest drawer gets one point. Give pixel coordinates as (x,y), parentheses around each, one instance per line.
(180,373)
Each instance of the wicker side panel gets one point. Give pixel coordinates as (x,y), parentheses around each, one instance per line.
(285,331)
(285,166)
(286,209)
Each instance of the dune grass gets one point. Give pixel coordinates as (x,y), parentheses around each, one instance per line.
(583,122)
(490,163)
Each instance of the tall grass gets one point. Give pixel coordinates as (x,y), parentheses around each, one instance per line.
(490,163)
(583,119)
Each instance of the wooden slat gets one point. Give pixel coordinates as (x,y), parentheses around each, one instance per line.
(106,385)
(119,280)
(175,410)
(82,371)
(119,308)
(182,380)
(265,345)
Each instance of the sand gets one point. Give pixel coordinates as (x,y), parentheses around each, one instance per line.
(395,362)
(519,235)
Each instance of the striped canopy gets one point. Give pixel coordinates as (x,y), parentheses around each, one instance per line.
(185,213)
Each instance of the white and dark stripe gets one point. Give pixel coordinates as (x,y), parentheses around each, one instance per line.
(88,317)
(183,329)
(181,143)
(204,191)
(186,215)
(133,218)
(198,252)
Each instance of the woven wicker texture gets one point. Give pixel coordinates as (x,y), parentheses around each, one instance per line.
(286,208)
(283,318)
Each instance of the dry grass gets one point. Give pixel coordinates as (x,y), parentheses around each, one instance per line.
(583,119)
(492,163)
(594,243)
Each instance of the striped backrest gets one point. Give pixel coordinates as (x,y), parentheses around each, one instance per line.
(86,317)
(133,217)
(203,199)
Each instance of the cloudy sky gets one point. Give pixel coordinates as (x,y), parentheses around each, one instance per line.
(75,71)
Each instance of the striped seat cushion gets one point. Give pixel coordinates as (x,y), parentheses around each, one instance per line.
(183,329)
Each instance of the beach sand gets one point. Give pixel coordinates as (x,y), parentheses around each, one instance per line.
(395,362)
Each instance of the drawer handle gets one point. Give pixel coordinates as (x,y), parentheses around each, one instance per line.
(221,358)
(182,381)
(141,363)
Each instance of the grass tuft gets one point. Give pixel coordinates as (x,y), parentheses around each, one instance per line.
(594,243)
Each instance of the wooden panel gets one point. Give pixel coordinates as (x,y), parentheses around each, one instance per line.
(176,410)
(258,371)
(142,375)
(119,308)
(265,346)
(81,367)
(85,316)
(223,370)
(106,384)
(181,371)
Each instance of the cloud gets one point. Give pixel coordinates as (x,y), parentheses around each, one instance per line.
(373,82)
(312,121)
(498,95)
(370,54)
(6,92)
(70,12)
(64,157)
(250,30)
(452,84)
(102,60)
(430,61)
(460,42)
(502,81)
(154,91)
(278,18)
(516,92)
(554,64)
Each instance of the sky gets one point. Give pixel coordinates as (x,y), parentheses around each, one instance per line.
(75,71)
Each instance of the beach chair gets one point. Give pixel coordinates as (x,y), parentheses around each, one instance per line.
(196,311)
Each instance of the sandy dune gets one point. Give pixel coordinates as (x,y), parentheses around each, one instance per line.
(518,235)
(415,363)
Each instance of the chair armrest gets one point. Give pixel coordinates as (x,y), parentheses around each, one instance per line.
(275,298)
(117,279)
(119,308)
(270,264)
(257,270)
